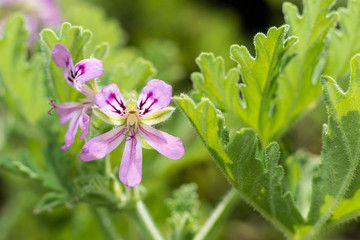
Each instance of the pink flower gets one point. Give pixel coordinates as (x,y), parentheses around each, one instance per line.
(133,119)
(76,76)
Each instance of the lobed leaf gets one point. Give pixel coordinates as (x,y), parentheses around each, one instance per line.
(336,188)
(259,75)
(299,82)
(260,78)
(254,173)
(344,42)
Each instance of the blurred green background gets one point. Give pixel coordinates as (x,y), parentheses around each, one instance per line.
(170,34)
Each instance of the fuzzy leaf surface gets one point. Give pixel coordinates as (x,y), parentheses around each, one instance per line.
(336,189)
(254,173)
(299,82)
(344,42)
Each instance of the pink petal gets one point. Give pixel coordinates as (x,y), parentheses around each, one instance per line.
(72,129)
(155,96)
(131,163)
(62,57)
(110,101)
(84,124)
(67,110)
(98,147)
(86,70)
(169,146)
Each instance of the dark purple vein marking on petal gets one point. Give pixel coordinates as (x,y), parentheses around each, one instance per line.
(143,102)
(148,108)
(121,104)
(80,70)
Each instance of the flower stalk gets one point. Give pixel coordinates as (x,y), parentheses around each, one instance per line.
(218,215)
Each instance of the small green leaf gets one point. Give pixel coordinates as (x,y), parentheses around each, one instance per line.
(21,165)
(52,200)
(101,51)
(158,117)
(184,207)
(216,84)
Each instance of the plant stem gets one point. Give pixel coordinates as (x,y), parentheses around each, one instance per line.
(106,224)
(218,215)
(145,221)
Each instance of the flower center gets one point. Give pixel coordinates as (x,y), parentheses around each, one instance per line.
(132,120)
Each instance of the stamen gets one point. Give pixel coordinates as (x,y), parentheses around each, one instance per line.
(132,133)
(52,104)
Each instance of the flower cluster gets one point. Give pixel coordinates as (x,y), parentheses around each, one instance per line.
(132,118)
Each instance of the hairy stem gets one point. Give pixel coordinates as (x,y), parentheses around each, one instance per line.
(145,221)
(218,215)
(105,223)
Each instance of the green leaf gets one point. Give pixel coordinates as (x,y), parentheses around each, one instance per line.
(52,200)
(259,75)
(20,80)
(260,78)
(75,39)
(220,87)
(101,51)
(184,207)
(254,173)
(300,169)
(299,82)
(24,165)
(344,42)
(335,197)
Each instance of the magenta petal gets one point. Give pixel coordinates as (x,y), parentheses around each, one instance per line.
(98,147)
(62,57)
(84,124)
(110,101)
(131,163)
(67,110)
(87,70)
(72,129)
(169,146)
(155,96)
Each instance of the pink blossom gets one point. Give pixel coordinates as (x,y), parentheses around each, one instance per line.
(76,76)
(136,116)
